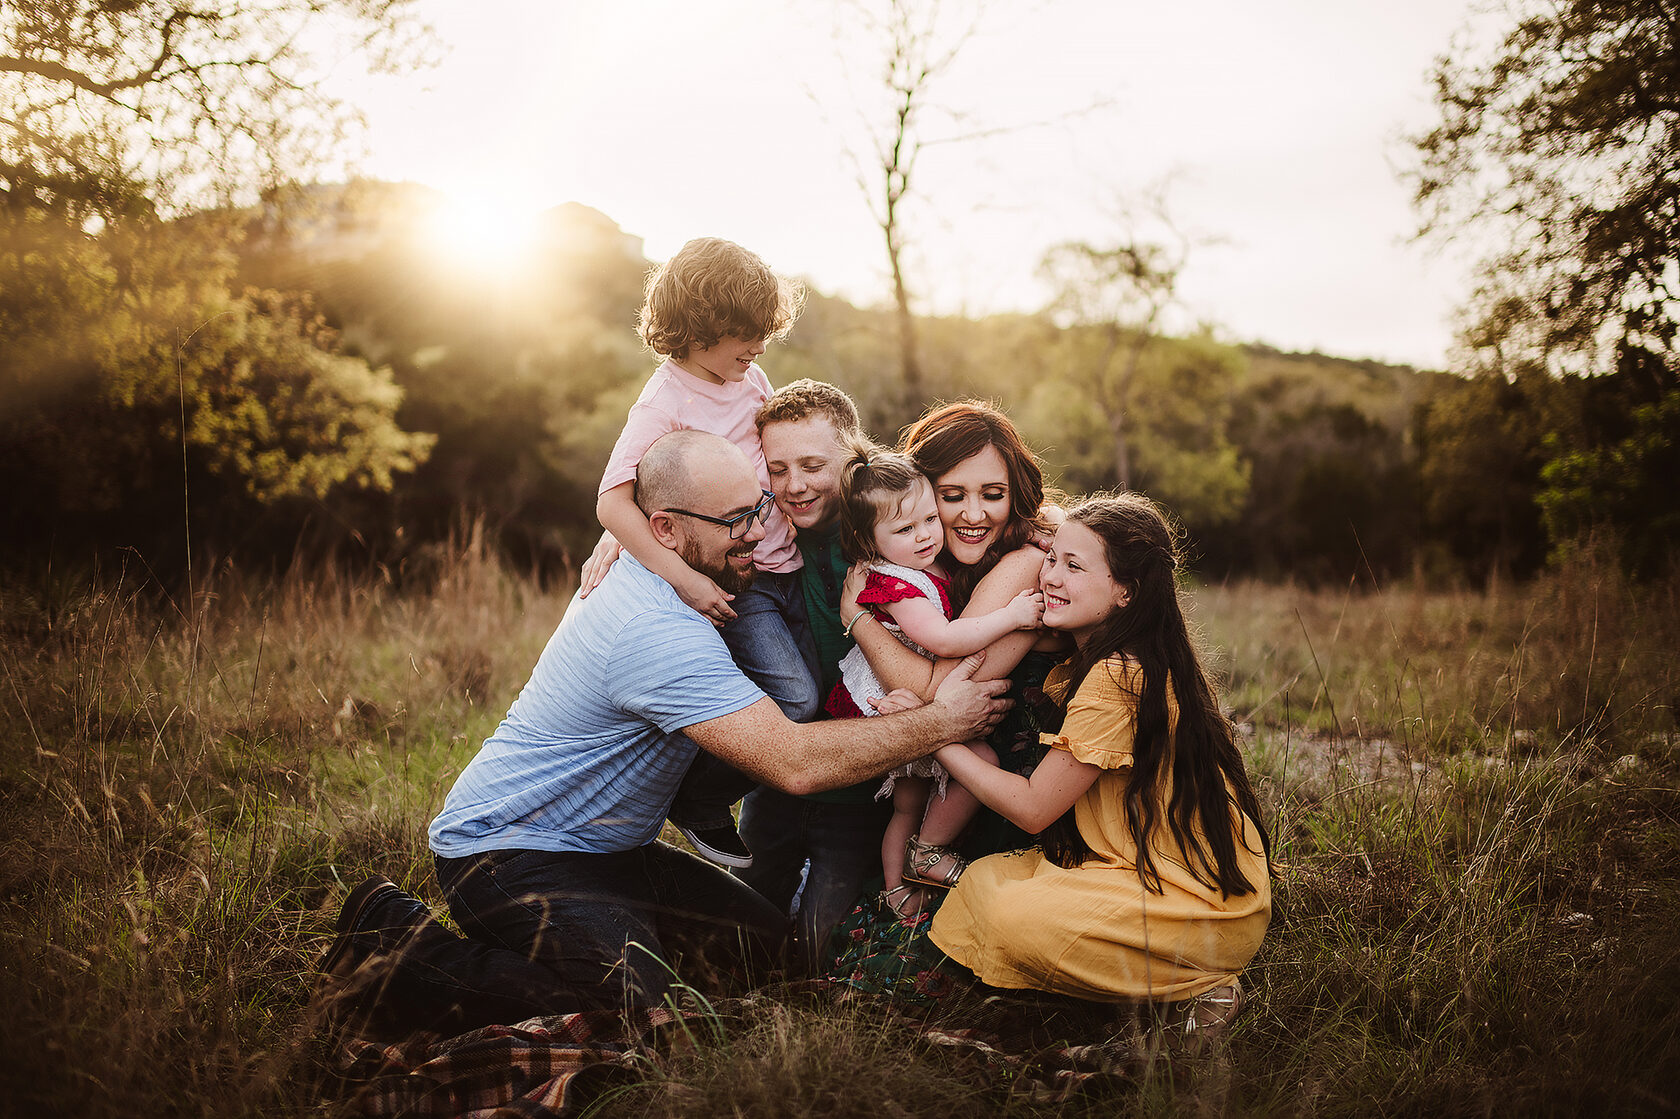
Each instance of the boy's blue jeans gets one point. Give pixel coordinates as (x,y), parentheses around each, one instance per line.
(812,858)
(771,640)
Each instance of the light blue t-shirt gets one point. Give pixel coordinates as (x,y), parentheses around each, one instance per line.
(588,757)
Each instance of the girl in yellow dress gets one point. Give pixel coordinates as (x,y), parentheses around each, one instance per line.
(1151,880)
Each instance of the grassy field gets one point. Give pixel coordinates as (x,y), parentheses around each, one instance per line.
(1475,803)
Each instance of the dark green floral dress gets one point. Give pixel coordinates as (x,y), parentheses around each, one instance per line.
(876,951)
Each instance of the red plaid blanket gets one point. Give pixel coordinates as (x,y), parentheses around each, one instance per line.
(538,1068)
(552,1067)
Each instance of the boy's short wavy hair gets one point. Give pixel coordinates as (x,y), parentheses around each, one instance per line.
(711,290)
(805,398)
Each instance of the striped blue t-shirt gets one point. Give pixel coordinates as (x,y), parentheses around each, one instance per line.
(588,757)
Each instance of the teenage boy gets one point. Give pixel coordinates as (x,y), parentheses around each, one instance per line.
(829,841)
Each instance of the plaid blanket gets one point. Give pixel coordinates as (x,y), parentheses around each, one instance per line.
(538,1068)
(552,1067)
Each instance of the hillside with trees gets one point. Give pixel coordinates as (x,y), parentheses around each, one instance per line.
(497,398)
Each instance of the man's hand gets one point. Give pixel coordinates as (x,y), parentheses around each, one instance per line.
(706,598)
(975,706)
(595,567)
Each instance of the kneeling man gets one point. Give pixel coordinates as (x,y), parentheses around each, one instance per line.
(546,847)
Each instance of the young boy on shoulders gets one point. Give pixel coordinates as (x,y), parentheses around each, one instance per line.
(709,312)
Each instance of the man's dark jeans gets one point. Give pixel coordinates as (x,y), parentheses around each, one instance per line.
(555,932)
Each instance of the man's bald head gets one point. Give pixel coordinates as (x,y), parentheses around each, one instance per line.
(680,468)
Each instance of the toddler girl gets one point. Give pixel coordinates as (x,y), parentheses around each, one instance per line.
(890,523)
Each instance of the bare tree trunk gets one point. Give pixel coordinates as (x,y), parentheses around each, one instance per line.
(896,166)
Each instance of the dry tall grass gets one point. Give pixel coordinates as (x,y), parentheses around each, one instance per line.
(1483,919)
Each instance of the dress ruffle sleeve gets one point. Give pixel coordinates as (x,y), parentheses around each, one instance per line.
(880,589)
(1100,726)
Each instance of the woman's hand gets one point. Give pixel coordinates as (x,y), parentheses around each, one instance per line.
(600,560)
(856,576)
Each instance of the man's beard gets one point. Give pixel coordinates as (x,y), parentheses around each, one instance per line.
(724,575)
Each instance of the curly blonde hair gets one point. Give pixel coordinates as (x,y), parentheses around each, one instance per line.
(711,290)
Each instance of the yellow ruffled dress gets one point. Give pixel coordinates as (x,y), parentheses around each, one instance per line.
(1019,921)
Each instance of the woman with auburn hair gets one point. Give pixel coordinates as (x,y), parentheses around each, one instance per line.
(990,493)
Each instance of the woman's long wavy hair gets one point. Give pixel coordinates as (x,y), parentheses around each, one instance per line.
(950,433)
(1201,752)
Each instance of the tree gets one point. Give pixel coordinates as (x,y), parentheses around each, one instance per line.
(114,106)
(1181,398)
(918,41)
(1562,144)
(133,364)
(1119,293)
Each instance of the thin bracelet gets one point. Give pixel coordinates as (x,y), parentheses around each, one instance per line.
(847,632)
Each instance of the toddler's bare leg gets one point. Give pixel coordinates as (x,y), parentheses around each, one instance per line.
(947,817)
(909,800)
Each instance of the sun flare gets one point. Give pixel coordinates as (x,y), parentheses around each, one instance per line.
(483,231)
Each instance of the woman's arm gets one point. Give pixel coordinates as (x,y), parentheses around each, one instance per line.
(1030,803)
(897,666)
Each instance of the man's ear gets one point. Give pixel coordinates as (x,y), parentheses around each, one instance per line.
(664,527)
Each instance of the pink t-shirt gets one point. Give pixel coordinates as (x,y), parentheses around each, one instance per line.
(676,400)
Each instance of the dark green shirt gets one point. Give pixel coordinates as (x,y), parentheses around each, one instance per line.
(820,578)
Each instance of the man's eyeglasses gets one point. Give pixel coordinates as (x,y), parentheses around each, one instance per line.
(741,523)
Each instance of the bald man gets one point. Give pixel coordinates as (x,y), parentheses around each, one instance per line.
(546,847)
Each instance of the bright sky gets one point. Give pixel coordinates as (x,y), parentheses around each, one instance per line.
(1276,128)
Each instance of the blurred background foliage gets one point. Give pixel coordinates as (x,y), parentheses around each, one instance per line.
(198,356)
(312,376)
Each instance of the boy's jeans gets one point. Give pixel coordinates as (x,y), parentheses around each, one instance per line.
(771,640)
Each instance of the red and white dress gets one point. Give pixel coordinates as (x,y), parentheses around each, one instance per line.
(888,583)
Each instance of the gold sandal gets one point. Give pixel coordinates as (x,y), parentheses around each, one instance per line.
(921,858)
(895,898)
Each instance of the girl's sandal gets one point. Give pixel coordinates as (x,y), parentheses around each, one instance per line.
(928,864)
(901,895)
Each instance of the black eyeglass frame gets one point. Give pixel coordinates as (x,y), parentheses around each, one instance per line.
(744,521)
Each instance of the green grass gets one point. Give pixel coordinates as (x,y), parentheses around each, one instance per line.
(1475,804)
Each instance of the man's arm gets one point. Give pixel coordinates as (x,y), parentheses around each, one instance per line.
(621,517)
(801,758)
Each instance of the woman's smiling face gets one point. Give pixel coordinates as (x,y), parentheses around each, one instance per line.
(973,504)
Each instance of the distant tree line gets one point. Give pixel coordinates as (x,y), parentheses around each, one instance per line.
(186,370)
(362,400)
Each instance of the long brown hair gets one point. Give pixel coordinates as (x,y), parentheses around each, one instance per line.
(950,433)
(1139,545)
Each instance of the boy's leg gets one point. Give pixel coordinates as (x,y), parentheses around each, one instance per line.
(835,848)
(770,641)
